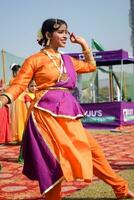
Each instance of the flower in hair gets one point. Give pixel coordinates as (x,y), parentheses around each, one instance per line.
(39,35)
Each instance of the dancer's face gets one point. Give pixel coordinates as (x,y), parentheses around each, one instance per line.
(59,37)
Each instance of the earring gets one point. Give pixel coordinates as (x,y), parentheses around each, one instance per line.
(48,42)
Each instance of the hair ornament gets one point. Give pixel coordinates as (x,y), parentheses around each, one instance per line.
(56,25)
(12,66)
(39,35)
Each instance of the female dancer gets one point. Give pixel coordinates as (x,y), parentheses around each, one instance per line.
(55,145)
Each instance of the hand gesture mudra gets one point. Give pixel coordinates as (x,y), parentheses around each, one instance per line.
(78,40)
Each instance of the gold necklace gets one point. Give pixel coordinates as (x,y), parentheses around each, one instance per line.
(61,69)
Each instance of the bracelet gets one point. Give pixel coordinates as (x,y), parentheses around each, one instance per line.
(1,104)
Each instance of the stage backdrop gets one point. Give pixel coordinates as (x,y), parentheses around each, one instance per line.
(108,114)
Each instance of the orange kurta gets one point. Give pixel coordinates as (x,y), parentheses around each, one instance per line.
(66,137)
(69,143)
(44,72)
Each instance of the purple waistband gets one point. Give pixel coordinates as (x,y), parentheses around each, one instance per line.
(60,103)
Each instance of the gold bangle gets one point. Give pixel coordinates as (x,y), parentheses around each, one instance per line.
(1,104)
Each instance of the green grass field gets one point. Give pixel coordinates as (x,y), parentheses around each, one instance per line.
(101,191)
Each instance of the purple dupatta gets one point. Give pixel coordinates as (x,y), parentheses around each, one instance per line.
(39,162)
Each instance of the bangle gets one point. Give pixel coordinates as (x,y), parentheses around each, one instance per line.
(1,104)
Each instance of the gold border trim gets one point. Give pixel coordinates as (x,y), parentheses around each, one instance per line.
(64,116)
(52,186)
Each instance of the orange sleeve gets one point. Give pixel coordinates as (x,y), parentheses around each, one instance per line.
(21,81)
(86,65)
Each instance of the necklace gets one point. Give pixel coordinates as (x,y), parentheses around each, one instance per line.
(62,70)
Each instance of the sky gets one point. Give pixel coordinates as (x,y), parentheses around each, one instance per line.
(107,21)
